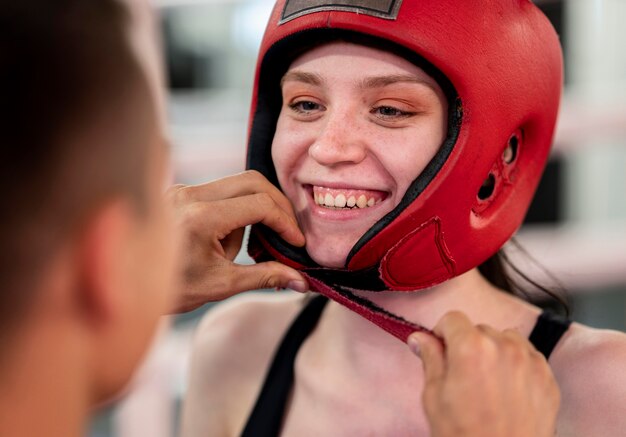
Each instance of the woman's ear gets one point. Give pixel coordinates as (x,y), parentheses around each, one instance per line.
(104,262)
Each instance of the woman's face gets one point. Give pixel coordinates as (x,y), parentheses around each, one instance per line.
(356,127)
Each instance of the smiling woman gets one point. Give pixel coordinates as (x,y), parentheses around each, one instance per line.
(349,141)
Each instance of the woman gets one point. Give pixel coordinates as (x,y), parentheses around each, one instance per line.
(409,138)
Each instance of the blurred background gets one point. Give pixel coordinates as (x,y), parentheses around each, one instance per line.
(576,228)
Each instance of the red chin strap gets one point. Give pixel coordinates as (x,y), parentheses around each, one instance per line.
(395,325)
(341,286)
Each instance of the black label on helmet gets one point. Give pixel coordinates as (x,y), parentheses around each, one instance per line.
(387,9)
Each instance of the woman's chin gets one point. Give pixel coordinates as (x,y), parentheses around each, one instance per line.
(328,258)
(329,249)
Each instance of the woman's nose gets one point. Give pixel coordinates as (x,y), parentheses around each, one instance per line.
(340,141)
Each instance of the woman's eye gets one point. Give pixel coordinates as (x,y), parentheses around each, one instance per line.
(304,106)
(390,112)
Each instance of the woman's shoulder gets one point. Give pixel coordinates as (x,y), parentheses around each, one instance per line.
(232,349)
(589,366)
(246,327)
(589,349)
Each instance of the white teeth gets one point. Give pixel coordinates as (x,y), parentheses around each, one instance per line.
(361,202)
(328,200)
(340,201)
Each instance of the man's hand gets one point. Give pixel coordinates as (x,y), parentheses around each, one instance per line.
(212,218)
(485,383)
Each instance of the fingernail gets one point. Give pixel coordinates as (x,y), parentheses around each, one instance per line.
(414,345)
(299,286)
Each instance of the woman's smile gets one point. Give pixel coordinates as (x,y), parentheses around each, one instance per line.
(341,202)
(346,198)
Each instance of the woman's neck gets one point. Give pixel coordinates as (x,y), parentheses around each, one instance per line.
(469,293)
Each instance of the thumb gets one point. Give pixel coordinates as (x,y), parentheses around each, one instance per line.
(269,274)
(430,350)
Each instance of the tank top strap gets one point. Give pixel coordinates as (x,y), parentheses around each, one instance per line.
(267,415)
(268,412)
(548,331)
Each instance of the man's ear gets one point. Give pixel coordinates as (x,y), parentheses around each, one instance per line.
(105,259)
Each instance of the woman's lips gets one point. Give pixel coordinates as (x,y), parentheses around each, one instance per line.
(345,198)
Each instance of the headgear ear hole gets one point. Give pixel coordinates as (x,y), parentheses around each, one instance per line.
(487,188)
(510,153)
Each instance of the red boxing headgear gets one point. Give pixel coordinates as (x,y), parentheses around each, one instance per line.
(500,64)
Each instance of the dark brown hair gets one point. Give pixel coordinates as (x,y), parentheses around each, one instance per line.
(68,78)
(504,274)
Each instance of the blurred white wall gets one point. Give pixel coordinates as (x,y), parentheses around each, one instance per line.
(588,250)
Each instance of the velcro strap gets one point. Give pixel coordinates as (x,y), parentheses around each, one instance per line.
(393,324)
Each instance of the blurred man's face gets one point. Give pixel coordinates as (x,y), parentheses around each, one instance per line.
(152,253)
(158,233)
(150,278)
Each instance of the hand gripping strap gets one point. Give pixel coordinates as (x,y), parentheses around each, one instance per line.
(393,324)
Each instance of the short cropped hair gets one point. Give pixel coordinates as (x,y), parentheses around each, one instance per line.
(68,77)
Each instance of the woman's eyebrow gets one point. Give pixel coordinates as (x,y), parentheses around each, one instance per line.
(301,76)
(383,81)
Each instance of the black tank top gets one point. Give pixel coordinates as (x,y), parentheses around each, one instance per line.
(267,415)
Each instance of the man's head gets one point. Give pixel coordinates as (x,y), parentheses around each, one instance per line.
(85,234)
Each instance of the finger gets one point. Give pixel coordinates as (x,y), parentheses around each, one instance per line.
(232,243)
(468,349)
(241,184)
(453,328)
(229,214)
(509,341)
(431,351)
(489,331)
(517,337)
(269,274)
